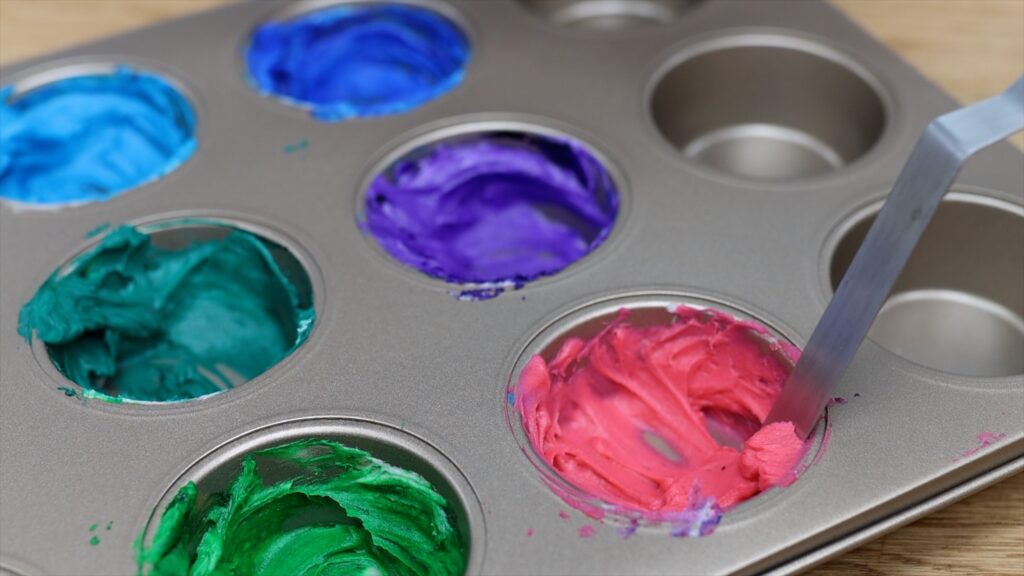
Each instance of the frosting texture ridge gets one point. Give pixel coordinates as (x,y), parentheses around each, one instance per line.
(88,138)
(629,416)
(358,60)
(492,207)
(342,512)
(132,320)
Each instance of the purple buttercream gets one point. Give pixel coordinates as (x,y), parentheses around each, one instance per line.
(495,207)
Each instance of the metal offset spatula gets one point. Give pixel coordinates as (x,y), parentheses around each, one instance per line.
(945,145)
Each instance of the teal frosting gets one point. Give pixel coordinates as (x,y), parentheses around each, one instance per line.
(89,138)
(134,321)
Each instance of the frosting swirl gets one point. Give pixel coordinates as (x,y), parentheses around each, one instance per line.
(358,60)
(492,208)
(89,138)
(344,512)
(134,321)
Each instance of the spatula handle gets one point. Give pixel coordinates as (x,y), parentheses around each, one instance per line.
(945,145)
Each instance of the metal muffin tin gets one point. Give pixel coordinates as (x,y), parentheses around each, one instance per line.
(685,109)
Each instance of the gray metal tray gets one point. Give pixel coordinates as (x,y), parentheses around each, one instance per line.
(396,364)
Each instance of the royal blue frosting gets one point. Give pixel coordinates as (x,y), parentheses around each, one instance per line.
(358,60)
(89,138)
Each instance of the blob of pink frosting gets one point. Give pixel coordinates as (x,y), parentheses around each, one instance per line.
(624,416)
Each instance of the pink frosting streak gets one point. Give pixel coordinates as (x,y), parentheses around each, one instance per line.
(624,416)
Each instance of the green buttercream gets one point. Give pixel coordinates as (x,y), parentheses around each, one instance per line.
(345,512)
(130,320)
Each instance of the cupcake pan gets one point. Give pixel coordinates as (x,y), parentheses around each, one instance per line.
(686,109)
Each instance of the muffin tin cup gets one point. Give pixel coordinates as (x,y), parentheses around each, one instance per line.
(176,232)
(608,15)
(299,8)
(34,77)
(215,471)
(767,107)
(392,349)
(652,307)
(958,305)
(449,130)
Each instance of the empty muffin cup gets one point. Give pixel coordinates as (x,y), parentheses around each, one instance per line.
(768,108)
(88,133)
(608,15)
(958,305)
(171,311)
(316,497)
(492,207)
(357,59)
(653,409)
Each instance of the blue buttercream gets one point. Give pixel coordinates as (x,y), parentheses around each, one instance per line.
(88,138)
(358,60)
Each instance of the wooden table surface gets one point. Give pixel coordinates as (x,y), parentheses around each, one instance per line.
(972,48)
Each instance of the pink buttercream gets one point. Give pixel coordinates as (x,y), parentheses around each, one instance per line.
(624,416)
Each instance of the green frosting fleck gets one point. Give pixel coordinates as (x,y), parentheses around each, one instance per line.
(345,512)
(130,320)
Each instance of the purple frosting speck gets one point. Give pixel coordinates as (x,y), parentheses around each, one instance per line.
(495,207)
(699,519)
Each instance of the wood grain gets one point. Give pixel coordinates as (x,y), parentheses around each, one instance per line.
(983,534)
(34,27)
(972,48)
